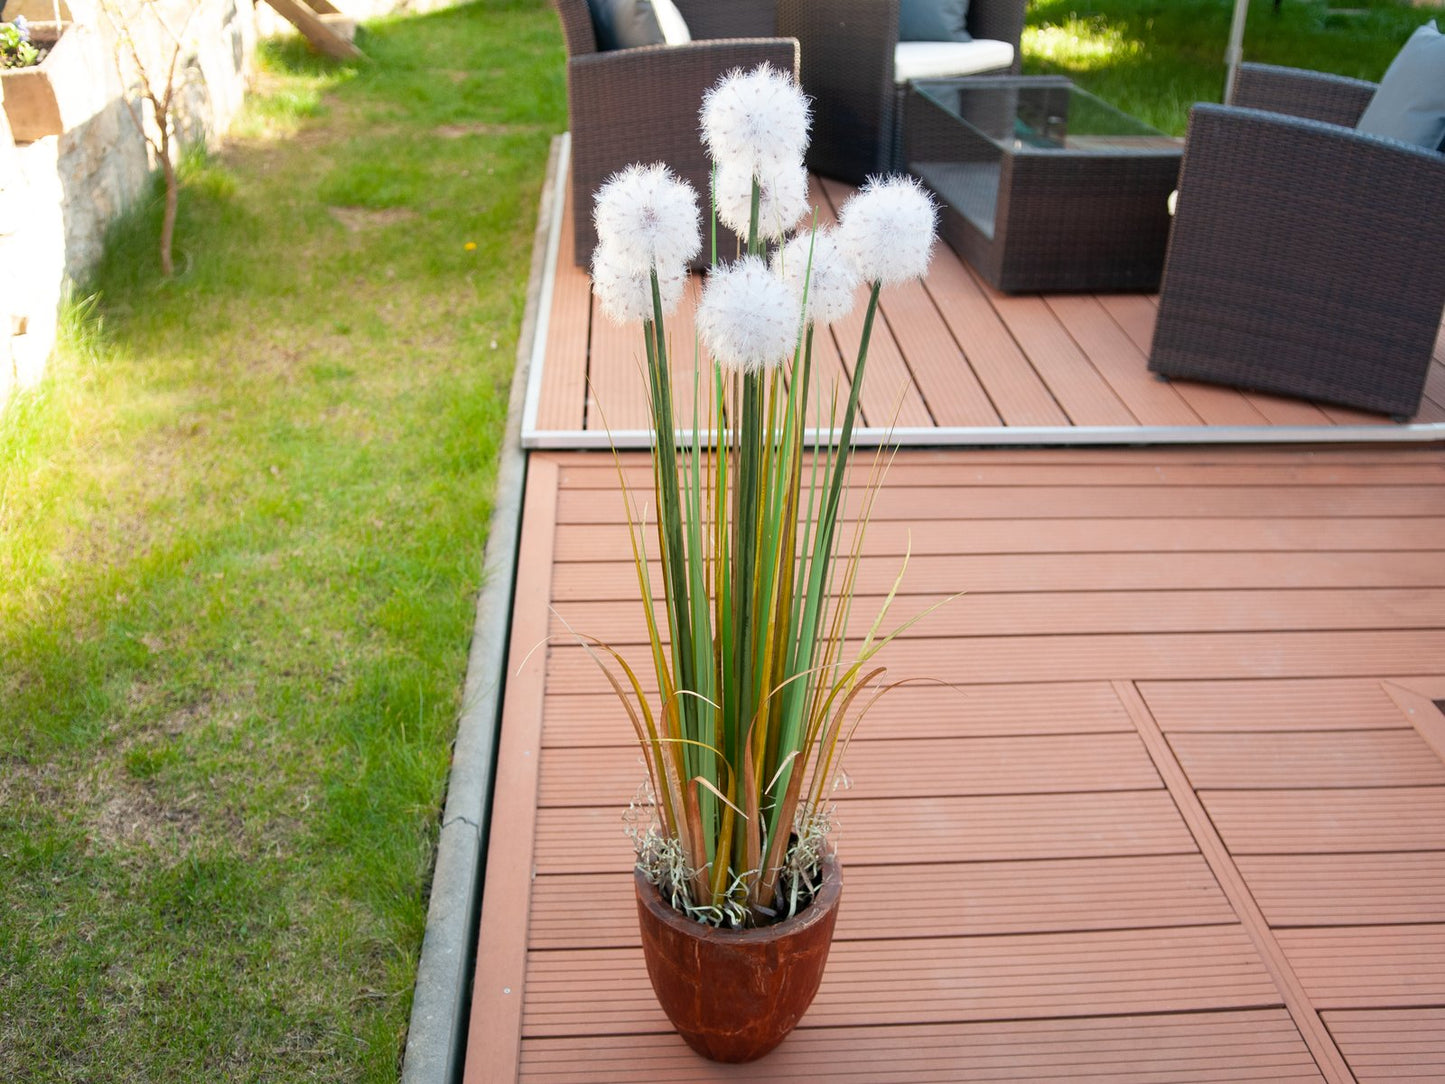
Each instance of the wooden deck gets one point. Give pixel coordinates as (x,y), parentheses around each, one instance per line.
(953,362)
(1183,818)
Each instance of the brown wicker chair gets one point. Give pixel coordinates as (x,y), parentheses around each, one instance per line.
(847,57)
(1305,258)
(641,105)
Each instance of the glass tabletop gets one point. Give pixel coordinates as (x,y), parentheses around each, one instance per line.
(1041,115)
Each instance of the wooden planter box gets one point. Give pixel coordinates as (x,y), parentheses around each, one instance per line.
(57,93)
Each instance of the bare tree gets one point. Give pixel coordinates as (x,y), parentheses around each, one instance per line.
(160,91)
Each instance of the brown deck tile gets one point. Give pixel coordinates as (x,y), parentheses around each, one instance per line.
(1392,1044)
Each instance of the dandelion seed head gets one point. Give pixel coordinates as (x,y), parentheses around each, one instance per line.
(747,320)
(647,218)
(832,283)
(625,294)
(756,120)
(782,200)
(886,230)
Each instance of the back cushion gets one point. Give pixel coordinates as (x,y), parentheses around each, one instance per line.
(933,20)
(1410,104)
(627,24)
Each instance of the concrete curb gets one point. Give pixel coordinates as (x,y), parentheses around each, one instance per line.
(436,1039)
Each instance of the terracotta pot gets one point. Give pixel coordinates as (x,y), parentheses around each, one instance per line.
(734,995)
(62,91)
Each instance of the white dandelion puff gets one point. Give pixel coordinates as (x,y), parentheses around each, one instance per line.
(831,281)
(647,218)
(756,120)
(783,199)
(746,321)
(625,294)
(886,230)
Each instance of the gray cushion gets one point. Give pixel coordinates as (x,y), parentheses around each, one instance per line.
(933,20)
(624,24)
(1410,104)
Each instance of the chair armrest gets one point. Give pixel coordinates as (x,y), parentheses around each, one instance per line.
(847,69)
(1333,99)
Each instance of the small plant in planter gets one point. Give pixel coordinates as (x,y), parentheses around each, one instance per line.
(16,48)
(757,692)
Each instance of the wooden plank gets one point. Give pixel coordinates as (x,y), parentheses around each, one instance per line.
(900,831)
(1071,379)
(916,711)
(940,980)
(321,36)
(1082,500)
(1061,613)
(496,1012)
(1317,704)
(1329,821)
(1370,967)
(1255,1045)
(1147,657)
(1018,393)
(882,767)
(563,393)
(607,542)
(972,899)
(1212,845)
(1348,889)
(1135,315)
(1032,572)
(1120,363)
(1392,1044)
(1294,759)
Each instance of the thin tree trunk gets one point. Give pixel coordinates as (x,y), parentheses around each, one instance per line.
(168,220)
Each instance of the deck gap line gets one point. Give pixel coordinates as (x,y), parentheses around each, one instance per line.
(1302,1010)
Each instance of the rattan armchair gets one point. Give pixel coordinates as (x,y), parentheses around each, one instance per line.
(1305,258)
(641,105)
(847,69)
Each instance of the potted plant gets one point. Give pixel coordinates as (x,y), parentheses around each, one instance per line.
(757,694)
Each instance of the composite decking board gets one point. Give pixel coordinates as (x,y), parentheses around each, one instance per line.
(563,389)
(947,382)
(1347,889)
(1051,613)
(1318,703)
(1293,759)
(941,980)
(1120,362)
(1039,878)
(1063,572)
(969,899)
(496,1010)
(917,711)
(1103,502)
(883,767)
(1249,1045)
(902,831)
(1370,967)
(605,542)
(1016,390)
(1392,1044)
(1333,821)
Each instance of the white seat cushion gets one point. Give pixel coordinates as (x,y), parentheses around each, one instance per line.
(943,59)
(671,23)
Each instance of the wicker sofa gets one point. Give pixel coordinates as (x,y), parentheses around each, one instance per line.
(641,105)
(847,68)
(1305,258)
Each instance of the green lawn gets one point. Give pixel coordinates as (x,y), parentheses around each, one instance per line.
(1155,58)
(241,534)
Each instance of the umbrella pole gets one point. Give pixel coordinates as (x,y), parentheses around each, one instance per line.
(1234,52)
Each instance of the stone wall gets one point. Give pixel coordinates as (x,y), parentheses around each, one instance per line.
(58,194)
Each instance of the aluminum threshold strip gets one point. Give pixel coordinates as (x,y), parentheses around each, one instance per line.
(986,436)
(562,168)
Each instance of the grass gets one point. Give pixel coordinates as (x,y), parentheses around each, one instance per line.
(241,530)
(1155,58)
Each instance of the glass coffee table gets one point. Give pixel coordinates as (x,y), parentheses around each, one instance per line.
(1043,186)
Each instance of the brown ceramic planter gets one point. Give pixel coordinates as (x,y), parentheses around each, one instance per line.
(734,995)
(56,94)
